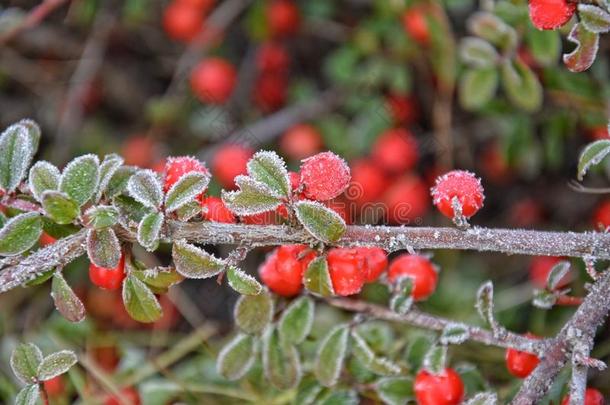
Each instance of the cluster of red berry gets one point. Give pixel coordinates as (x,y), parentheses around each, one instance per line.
(184,19)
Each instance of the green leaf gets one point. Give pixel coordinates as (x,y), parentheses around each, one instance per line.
(436,359)
(60,207)
(193,262)
(188,211)
(140,303)
(594,18)
(402,298)
(484,304)
(80,178)
(521,85)
(102,216)
(339,397)
(159,279)
(592,155)
(268,168)
(544,299)
(478,53)
(43,176)
(253,313)
(15,156)
(103,248)
(253,197)
(587,44)
(243,283)
(33,132)
(491,28)
(236,357)
(145,188)
(454,333)
(131,212)
(42,278)
(65,300)
(28,395)
(281,362)
(483,398)
(320,221)
(317,278)
(296,321)
(395,390)
(556,275)
(545,46)
(417,351)
(108,169)
(368,358)
(20,233)
(56,364)
(477,87)
(149,230)
(185,190)
(331,355)
(25,360)
(308,391)
(118,182)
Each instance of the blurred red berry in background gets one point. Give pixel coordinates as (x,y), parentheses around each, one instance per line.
(213,80)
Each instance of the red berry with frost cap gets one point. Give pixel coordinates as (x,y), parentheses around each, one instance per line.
(592,397)
(551,14)
(521,364)
(324,176)
(444,388)
(108,278)
(347,270)
(460,184)
(215,210)
(176,167)
(395,150)
(213,80)
(420,269)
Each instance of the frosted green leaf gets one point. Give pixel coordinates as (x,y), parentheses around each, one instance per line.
(281,362)
(193,262)
(269,169)
(25,360)
(477,87)
(103,248)
(185,190)
(320,221)
(594,18)
(188,211)
(478,53)
(20,233)
(102,216)
(149,230)
(108,169)
(308,391)
(60,207)
(592,155)
(253,313)
(521,85)
(243,283)
(253,197)
(585,52)
(144,187)
(316,278)
(33,131)
(118,181)
(80,178)
(331,355)
(454,334)
(483,398)
(296,321)
(15,156)
(28,395)
(402,298)
(56,364)
(140,302)
(395,390)
(436,359)
(376,364)
(484,304)
(65,300)
(492,29)
(43,176)
(556,275)
(236,357)
(158,279)
(339,397)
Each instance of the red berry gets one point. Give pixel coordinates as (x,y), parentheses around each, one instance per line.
(139,151)
(375,262)
(521,364)
(176,167)
(110,279)
(407,200)
(55,386)
(598,133)
(213,80)
(202,5)
(445,388)
(403,108)
(229,162)
(272,57)
(494,166)
(368,182)
(540,267)
(416,26)
(601,217)
(128,396)
(550,14)
(283,269)
(526,213)
(420,269)
(301,141)
(324,176)
(592,397)
(347,270)
(283,17)
(181,21)
(215,210)
(46,239)
(269,91)
(295,180)
(395,150)
(460,184)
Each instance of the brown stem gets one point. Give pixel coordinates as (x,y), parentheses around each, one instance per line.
(34,18)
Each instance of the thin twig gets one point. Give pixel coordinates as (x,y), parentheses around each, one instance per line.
(33,18)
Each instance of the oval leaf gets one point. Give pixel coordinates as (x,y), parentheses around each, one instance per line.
(140,303)
(149,230)
(483,398)
(243,283)
(320,221)
(521,85)
(253,197)
(281,362)
(43,176)
(557,274)
(110,165)
(330,356)
(316,278)
(296,321)
(193,262)
(594,19)
(395,390)
(66,302)
(253,313)
(477,87)
(80,178)
(587,44)
(185,190)
(118,181)
(368,358)
(103,248)
(15,156)
(145,188)
(20,233)
(25,360)
(269,169)
(477,52)
(33,131)
(455,334)
(592,155)
(56,364)
(102,216)
(59,207)
(237,357)
(28,395)
(159,279)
